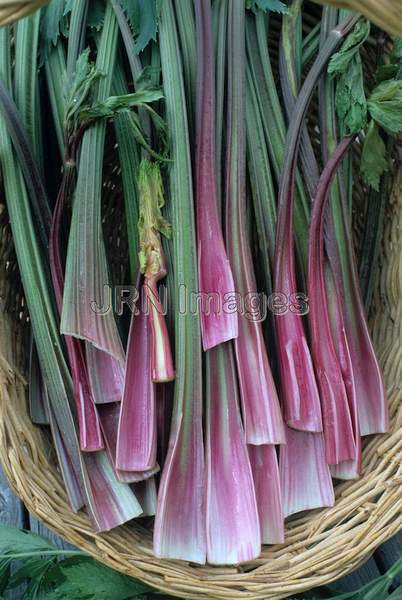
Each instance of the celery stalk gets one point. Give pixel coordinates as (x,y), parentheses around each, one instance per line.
(215,274)
(261,412)
(233,530)
(86,268)
(180,517)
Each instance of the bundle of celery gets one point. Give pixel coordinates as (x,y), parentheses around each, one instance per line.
(182,218)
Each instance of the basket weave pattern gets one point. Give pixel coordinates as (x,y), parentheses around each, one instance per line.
(319,547)
(13,10)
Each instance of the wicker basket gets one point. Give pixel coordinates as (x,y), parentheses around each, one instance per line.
(320,546)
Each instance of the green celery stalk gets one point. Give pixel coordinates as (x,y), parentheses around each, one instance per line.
(263,192)
(26,91)
(310,45)
(186,30)
(219,23)
(76,34)
(274,122)
(86,268)
(129,162)
(290,65)
(180,530)
(37,293)
(56,75)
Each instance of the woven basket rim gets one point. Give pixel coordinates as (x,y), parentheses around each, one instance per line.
(320,546)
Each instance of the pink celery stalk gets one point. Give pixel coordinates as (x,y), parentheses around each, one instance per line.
(214,272)
(111,502)
(262,417)
(153,265)
(161,355)
(264,465)
(338,428)
(301,400)
(233,529)
(298,384)
(136,437)
(180,523)
(349,469)
(88,421)
(106,375)
(145,492)
(305,477)
(109,415)
(164,405)
(370,394)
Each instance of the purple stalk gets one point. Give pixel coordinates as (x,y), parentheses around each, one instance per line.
(75,493)
(264,465)
(289,67)
(88,421)
(262,417)
(338,427)
(106,375)
(299,388)
(146,494)
(369,388)
(371,399)
(215,275)
(109,415)
(136,438)
(233,530)
(349,469)
(305,477)
(162,369)
(164,406)
(111,503)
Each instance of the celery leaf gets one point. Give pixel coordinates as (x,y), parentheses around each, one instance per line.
(143,18)
(351,104)
(265,5)
(373,162)
(341,60)
(346,65)
(51,24)
(385,105)
(89,580)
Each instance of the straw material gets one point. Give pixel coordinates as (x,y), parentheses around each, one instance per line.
(387,14)
(320,546)
(13,10)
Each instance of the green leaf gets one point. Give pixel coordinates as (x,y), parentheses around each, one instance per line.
(351,105)
(89,580)
(341,60)
(396,594)
(19,540)
(51,19)
(265,5)
(350,98)
(143,18)
(32,568)
(115,104)
(96,15)
(385,105)
(396,55)
(4,574)
(385,72)
(373,162)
